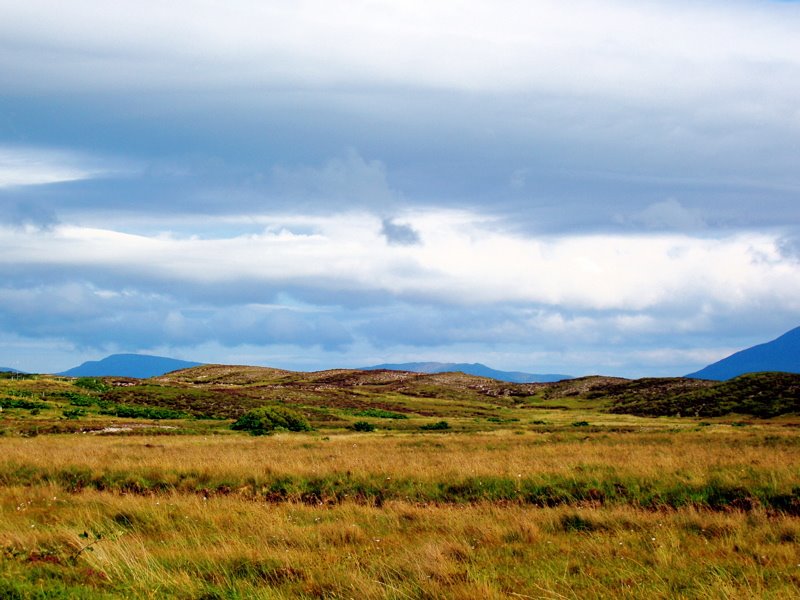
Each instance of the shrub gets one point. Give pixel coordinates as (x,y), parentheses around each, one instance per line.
(26,404)
(580,424)
(73,413)
(91,383)
(363,426)
(439,425)
(380,413)
(266,419)
(131,411)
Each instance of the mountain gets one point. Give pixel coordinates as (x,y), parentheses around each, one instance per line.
(140,366)
(8,370)
(470,369)
(782,354)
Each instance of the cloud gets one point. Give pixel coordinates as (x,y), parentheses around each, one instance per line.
(587,175)
(29,214)
(399,234)
(667,215)
(349,181)
(464,261)
(93,317)
(616,48)
(23,166)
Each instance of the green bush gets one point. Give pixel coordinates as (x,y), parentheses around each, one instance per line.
(438,426)
(131,411)
(363,426)
(92,383)
(266,419)
(73,413)
(26,404)
(380,413)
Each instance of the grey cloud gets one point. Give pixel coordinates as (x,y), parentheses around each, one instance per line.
(349,181)
(95,318)
(789,246)
(399,234)
(30,214)
(666,215)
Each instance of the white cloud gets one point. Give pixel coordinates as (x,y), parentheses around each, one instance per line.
(20,166)
(658,52)
(464,261)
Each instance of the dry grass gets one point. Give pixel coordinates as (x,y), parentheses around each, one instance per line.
(186,547)
(73,541)
(689,456)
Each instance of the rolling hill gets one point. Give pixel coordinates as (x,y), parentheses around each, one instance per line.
(140,366)
(477,369)
(781,354)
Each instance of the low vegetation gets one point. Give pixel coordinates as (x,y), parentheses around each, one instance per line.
(387,485)
(269,419)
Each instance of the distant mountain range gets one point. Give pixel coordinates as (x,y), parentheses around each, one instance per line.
(471,369)
(9,370)
(140,366)
(781,354)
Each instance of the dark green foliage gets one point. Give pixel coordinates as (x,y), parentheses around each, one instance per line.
(92,383)
(363,426)
(266,419)
(580,424)
(197,402)
(501,420)
(73,413)
(763,395)
(438,426)
(26,404)
(380,413)
(141,412)
(79,399)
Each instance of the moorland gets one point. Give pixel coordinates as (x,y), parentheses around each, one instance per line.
(402,485)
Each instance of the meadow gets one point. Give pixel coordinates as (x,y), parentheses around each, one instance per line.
(531,501)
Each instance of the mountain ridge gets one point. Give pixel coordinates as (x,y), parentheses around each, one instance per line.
(141,366)
(478,369)
(779,355)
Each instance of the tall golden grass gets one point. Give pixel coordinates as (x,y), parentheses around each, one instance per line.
(78,542)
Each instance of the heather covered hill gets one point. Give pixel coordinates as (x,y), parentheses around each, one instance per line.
(781,354)
(231,389)
(762,395)
(207,397)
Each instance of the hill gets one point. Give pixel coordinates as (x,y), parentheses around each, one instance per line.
(781,354)
(225,391)
(477,369)
(762,395)
(9,370)
(129,365)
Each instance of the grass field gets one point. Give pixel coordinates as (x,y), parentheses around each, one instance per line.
(515,499)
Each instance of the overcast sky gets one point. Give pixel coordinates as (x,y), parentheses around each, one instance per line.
(573,187)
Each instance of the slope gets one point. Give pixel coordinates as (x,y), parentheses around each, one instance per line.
(129,365)
(781,354)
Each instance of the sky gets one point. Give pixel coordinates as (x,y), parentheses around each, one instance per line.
(553,187)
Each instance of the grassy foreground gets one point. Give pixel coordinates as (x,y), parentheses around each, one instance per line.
(701,512)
